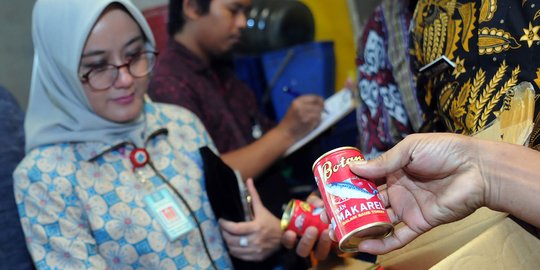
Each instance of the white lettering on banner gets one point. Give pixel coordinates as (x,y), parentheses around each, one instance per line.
(349,212)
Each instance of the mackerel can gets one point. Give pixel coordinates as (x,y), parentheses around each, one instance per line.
(299,215)
(352,203)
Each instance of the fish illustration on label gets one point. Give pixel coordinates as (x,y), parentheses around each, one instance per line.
(348,190)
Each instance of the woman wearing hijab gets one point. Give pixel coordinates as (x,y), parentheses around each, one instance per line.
(111,180)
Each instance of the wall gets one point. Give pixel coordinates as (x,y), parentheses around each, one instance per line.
(332,20)
(333,23)
(144,4)
(359,12)
(338,20)
(16,49)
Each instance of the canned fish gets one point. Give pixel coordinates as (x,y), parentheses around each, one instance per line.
(299,215)
(353,205)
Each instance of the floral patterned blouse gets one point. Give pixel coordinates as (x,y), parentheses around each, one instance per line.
(81,204)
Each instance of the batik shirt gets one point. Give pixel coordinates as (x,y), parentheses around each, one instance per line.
(225,105)
(495,45)
(81,204)
(388,109)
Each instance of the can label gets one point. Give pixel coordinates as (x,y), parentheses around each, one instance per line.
(352,203)
(299,215)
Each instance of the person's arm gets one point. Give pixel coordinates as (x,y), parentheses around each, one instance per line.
(303,115)
(433,179)
(56,228)
(513,177)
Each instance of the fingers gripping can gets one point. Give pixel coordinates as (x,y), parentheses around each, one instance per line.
(352,203)
(299,215)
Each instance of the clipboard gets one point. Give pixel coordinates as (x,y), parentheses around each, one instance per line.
(336,108)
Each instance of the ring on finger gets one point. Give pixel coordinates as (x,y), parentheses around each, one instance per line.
(243,242)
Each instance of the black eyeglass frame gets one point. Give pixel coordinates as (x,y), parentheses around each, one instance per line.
(85,78)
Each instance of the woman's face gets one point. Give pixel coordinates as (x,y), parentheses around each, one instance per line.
(114,40)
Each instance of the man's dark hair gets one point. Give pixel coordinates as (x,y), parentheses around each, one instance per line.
(176,14)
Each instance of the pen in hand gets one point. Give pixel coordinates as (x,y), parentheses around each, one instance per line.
(295,94)
(291,92)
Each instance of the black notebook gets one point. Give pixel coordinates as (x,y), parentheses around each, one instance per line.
(227,202)
(226,198)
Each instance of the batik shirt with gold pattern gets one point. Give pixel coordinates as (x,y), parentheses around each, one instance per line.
(495,45)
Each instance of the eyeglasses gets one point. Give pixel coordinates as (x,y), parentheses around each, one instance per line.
(104,76)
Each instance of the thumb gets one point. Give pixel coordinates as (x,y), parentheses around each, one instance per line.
(256,202)
(390,161)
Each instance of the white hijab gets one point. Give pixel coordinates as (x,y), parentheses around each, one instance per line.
(58,110)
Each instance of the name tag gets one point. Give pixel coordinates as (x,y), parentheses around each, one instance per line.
(166,211)
(437,67)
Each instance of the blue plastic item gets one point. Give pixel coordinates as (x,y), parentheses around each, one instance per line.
(248,68)
(301,69)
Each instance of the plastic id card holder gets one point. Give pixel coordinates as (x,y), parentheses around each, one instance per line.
(437,67)
(168,214)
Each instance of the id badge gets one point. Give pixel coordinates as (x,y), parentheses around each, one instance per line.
(168,214)
(437,67)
